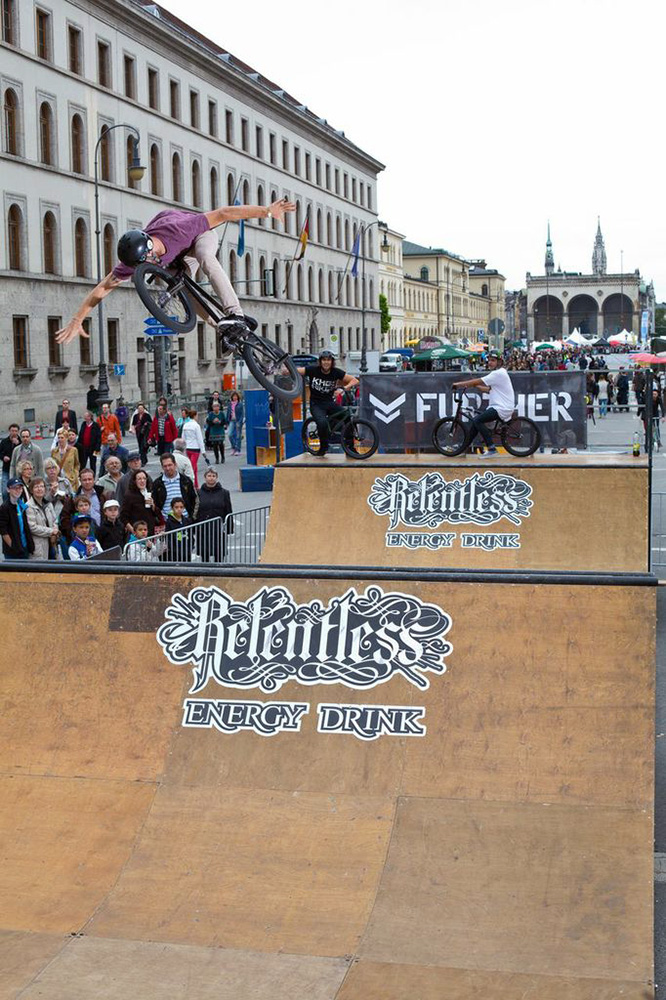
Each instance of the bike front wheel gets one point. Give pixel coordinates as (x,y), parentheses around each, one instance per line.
(271,366)
(359,438)
(164,296)
(520,436)
(449,437)
(310,437)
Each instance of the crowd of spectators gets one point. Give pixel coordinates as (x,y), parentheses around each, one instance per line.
(65,507)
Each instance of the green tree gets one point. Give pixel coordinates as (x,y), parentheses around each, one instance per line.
(660,322)
(385,314)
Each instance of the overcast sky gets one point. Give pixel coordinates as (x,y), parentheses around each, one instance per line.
(491,117)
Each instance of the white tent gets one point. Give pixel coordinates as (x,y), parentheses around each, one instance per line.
(577,338)
(623,338)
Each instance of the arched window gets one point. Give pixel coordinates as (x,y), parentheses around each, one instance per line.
(260,200)
(484,289)
(129,158)
(11,122)
(78,136)
(321,285)
(262,267)
(320,228)
(299,283)
(329,230)
(331,288)
(249,290)
(276,279)
(214,189)
(46,133)
(371,294)
(338,233)
(348,291)
(196,184)
(356,302)
(105,153)
(81,248)
(155,170)
(231,188)
(310,285)
(109,244)
(287,282)
(49,241)
(424,274)
(232,266)
(15,237)
(273,198)
(245,198)
(176,178)
(298,216)
(347,243)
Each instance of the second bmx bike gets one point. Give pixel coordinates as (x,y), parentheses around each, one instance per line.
(359,438)
(453,435)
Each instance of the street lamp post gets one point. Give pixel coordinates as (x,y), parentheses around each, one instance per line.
(385,248)
(136,172)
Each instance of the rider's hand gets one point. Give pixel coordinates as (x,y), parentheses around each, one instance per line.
(73,329)
(280,208)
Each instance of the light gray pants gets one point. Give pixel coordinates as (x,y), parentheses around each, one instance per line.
(205,257)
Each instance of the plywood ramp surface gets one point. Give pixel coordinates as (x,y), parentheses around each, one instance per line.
(506,851)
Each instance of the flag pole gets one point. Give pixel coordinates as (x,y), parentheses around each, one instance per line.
(293,259)
(224,231)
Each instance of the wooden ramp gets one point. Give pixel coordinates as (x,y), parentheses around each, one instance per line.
(494,838)
(547,512)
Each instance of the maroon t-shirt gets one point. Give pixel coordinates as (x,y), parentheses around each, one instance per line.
(176,229)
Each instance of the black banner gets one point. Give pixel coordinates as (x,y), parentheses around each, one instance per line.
(405,407)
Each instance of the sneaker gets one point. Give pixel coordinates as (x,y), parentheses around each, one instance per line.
(490,453)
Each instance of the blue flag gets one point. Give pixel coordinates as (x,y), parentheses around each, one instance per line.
(356,249)
(240,249)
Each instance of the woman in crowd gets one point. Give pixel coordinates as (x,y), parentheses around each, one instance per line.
(25,471)
(139,505)
(215,429)
(194,442)
(58,487)
(214,501)
(141,422)
(42,521)
(67,457)
(235,415)
(184,415)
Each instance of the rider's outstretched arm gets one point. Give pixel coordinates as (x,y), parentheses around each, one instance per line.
(473,382)
(236,213)
(75,326)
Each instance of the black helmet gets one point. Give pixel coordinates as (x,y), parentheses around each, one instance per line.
(134,247)
(326,354)
(497,355)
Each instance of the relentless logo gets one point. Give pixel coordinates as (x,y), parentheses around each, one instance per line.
(359,640)
(386,412)
(431,500)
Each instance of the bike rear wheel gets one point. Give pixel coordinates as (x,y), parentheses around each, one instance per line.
(520,436)
(164,296)
(271,366)
(310,437)
(449,437)
(359,438)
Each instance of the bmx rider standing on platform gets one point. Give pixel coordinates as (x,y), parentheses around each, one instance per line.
(324,379)
(501,402)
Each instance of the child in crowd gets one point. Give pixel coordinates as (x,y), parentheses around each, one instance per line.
(83,546)
(178,542)
(111,532)
(140,548)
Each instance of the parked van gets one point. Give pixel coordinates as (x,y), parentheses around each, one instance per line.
(391,362)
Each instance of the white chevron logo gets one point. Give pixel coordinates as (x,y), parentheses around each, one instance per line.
(386,412)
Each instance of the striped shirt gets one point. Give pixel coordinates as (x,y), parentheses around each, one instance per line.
(173,490)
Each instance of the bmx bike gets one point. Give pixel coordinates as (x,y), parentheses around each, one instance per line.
(170,295)
(359,438)
(453,435)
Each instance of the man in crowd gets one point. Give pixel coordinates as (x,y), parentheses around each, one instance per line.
(95,496)
(111,479)
(89,441)
(7,446)
(113,449)
(163,430)
(108,423)
(66,415)
(17,540)
(26,451)
(182,461)
(173,484)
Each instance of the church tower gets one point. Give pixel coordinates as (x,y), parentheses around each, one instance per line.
(549,262)
(599,254)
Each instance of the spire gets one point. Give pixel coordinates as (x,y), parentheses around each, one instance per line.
(599,253)
(550,260)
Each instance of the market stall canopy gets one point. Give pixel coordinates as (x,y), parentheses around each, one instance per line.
(446,353)
(623,338)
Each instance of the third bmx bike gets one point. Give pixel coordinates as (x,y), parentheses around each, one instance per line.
(453,435)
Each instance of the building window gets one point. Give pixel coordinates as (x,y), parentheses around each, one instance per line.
(105,153)
(271,147)
(9,21)
(245,138)
(43,24)
(20,326)
(337,181)
(53,324)
(174,99)
(201,341)
(212,118)
(49,236)
(328,176)
(134,184)
(78,166)
(231,189)
(46,133)
(84,345)
(103,64)
(153,89)
(308,166)
(15,237)
(74,50)
(194,109)
(369,193)
(229,126)
(361,192)
(297,161)
(259,141)
(176,178)
(345,185)
(81,248)
(129,67)
(112,340)
(109,247)
(214,188)
(318,172)
(260,201)
(155,172)
(196,184)
(424,274)
(285,155)
(11,122)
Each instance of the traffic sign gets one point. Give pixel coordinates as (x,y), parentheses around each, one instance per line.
(496,327)
(119,370)
(161,331)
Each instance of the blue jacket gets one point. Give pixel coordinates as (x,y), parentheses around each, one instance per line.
(240,412)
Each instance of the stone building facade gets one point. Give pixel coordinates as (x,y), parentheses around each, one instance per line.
(391,284)
(211,128)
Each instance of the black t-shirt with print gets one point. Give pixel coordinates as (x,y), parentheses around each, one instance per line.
(322,385)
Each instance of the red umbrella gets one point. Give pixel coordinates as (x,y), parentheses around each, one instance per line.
(643,358)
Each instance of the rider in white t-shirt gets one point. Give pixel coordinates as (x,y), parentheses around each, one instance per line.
(501,401)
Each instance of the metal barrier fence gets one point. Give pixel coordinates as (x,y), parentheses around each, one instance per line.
(238,538)
(658,540)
